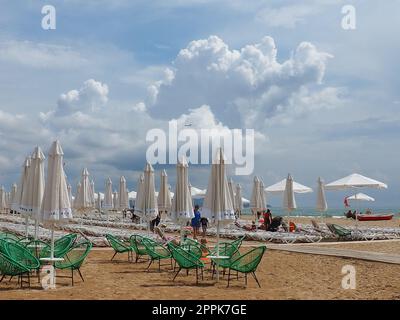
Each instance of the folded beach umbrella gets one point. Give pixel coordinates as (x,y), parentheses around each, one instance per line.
(2,200)
(289,201)
(13,196)
(8,201)
(108,195)
(98,202)
(164,195)
(182,207)
(92,194)
(262,196)
(115,200)
(147,204)
(256,202)
(56,207)
(69,188)
(32,195)
(77,194)
(231,190)
(238,203)
(140,184)
(22,183)
(123,195)
(84,201)
(322,206)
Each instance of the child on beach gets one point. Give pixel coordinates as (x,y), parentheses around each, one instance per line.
(204,225)
(196,222)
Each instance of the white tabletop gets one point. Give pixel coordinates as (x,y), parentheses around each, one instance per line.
(218,257)
(51,259)
(38,245)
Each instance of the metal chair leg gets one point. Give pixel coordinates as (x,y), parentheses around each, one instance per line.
(177,274)
(254,275)
(114,255)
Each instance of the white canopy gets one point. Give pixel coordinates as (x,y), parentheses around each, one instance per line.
(360,197)
(355,180)
(197,193)
(279,187)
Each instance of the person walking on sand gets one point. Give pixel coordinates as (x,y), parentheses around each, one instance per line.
(196,221)
(204,225)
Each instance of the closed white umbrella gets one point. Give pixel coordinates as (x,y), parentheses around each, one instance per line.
(164,195)
(23,183)
(2,200)
(92,194)
(147,204)
(231,191)
(322,206)
(262,196)
(56,207)
(218,204)
(98,202)
(84,202)
(108,195)
(355,181)
(123,195)
(140,184)
(115,200)
(289,201)
(238,200)
(8,202)
(77,195)
(182,207)
(32,195)
(256,202)
(13,196)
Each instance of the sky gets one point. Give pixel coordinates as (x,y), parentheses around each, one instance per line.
(323,101)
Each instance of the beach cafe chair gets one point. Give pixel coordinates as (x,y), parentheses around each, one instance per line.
(61,246)
(119,246)
(319,229)
(186,261)
(225,249)
(157,252)
(247,263)
(346,234)
(74,259)
(138,247)
(12,268)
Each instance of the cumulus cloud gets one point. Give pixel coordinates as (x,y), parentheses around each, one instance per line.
(241,86)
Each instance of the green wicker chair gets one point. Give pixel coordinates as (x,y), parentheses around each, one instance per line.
(187,261)
(74,258)
(119,246)
(36,247)
(138,247)
(12,268)
(8,235)
(226,249)
(247,263)
(61,246)
(193,247)
(157,252)
(22,255)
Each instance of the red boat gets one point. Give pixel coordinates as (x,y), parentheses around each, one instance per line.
(374,217)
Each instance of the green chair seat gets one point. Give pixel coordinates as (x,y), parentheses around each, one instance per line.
(61,246)
(138,246)
(186,260)
(10,267)
(157,252)
(119,246)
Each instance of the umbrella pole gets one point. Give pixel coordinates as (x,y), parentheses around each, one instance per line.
(36,229)
(52,244)
(217,251)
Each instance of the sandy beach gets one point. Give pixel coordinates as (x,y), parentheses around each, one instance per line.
(283,275)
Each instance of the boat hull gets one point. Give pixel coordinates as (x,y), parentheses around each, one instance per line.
(372,217)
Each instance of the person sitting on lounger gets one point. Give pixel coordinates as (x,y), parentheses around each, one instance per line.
(165,239)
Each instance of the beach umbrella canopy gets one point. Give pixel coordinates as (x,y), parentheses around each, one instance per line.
(140,184)
(22,184)
(13,196)
(231,190)
(182,208)
(84,199)
(355,180)
(321,200)
(147,203)
(115,200)
(8,200)
(360,197)
(32,194)
(289,201)
(197,193)
(77,194)
(92,194)
(238,198)
(98,202)
(262,195)
(56,206)
(108,195)
(123,194)
(280,186)
(164,195)
(218,204)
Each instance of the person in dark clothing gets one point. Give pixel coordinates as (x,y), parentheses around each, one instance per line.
(204,225)
(196,221)
(267,216)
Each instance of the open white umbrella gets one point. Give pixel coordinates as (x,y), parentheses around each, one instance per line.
(123,195)
(164,195)
(182,207)
(280,186)
(13,196)
(322,205)
(218,204)
(360,197)
(32,195)
(354,182)
(56,207)
(238,203)
(289,201)
(147,203)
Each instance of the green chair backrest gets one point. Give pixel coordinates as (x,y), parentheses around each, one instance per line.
(155,250)
(76,255)
(338,230)
(61,246)
(185,259)
(10,267)
(8,235)
(36,247)
(23,256)
(117,244)
(249,261)
(137,244)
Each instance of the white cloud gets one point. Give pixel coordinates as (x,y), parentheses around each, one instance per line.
(40,55)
